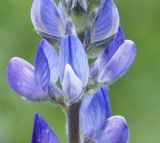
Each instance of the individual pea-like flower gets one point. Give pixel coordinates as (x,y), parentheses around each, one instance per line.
(40,82)
(98,124)
(32,82)
(93,28)
(106,22)
(42,132)
(49,20)
(114,61)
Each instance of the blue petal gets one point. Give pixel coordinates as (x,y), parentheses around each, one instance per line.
(22,79)
(52,59)
(47,19)
(119,64)
(94,112)
(61,11)
(116,131)
(112,47)
(42,132)
(107,21)
(71,84)
(42,71)
(73,53)
(107,54)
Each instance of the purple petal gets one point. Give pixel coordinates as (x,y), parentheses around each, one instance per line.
(22,80)
(119,64)
(73,53)
(42,132)
(107,21)
(71,84)
(42,71)
(47,19)
(107,54)
(61,11)
(112,47)
(52,59)
(116,131)
(94,112)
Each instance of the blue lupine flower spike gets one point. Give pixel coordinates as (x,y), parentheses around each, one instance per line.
(74,69)
(114,61)
(32,82)
(42,132)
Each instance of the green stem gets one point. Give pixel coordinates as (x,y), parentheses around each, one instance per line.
(73,123)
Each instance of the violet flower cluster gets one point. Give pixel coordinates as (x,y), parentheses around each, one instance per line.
(83,50)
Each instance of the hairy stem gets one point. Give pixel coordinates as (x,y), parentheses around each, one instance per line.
(73,123)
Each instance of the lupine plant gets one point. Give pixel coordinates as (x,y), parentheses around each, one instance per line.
(82,52)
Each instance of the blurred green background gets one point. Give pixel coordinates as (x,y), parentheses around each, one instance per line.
(135,96)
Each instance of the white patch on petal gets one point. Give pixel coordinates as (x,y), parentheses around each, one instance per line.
(71,84)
